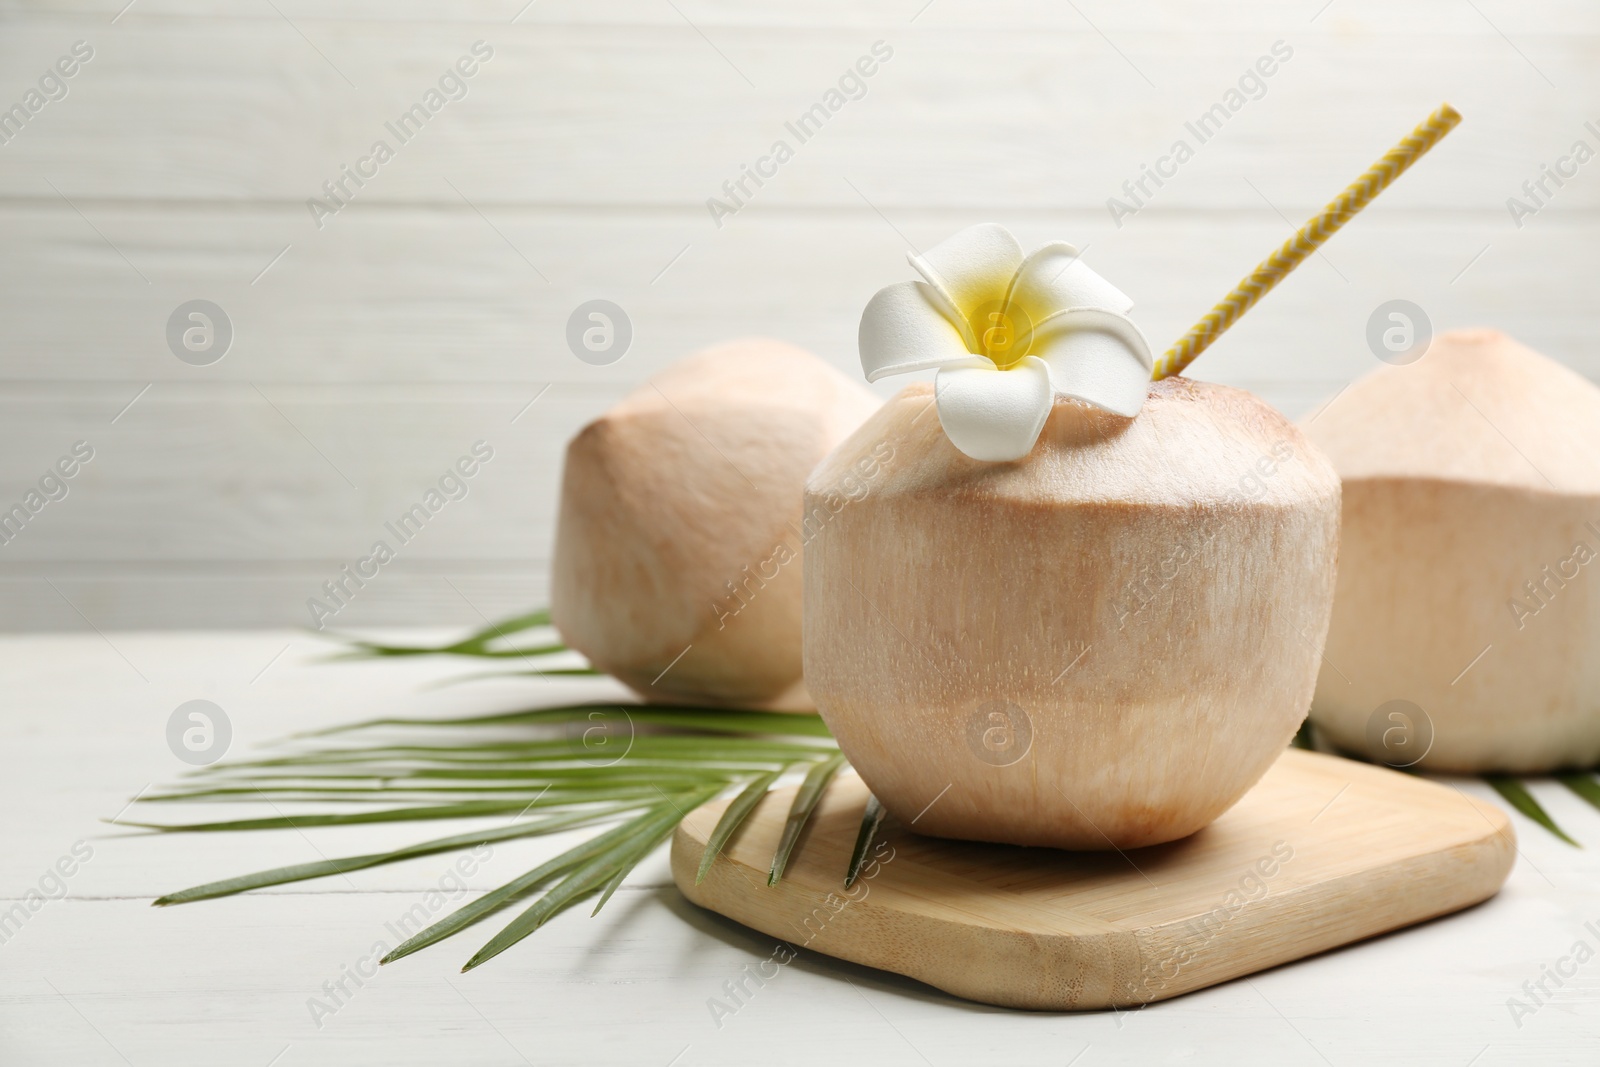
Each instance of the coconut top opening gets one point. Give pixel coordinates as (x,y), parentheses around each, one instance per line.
(1193,444)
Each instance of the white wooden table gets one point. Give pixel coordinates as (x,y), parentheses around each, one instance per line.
(99,977)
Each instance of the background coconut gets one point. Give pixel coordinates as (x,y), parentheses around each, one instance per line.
(677,550)
(1102,645)
(1469,581)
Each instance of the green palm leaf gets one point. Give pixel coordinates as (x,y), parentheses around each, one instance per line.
(322,868)
(733,817)
(520,886)
(871,819)
(474,644)
(464,810)
(639,768)
(633,770)
(805,802)
(1584,785)
(587,878)
(1517,795)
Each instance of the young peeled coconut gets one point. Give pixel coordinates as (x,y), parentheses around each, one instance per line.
(677,557)
(1075,608)
(1468,582)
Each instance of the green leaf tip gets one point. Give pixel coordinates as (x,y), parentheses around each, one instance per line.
(805,802)
(871,819)
(1584,785)
(733,817)
(1517,795)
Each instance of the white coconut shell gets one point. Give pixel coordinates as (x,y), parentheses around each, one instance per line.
(677,564)
(1152,594)
(1467,476)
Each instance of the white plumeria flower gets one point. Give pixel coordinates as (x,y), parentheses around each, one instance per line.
(1009,334)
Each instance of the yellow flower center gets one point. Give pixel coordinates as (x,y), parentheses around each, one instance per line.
(1003,332)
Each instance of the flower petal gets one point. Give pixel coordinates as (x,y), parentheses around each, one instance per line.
(902,330)
(991,414)
(1053,279)
(970,270)
(1097,356)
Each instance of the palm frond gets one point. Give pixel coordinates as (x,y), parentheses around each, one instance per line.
(301,872)
(636,769)
(476,643)
(491,642)
(733,817)
(1584,785)
(589,878)
(871,819)
(632,771)
(525,883)
(1517,795)
(805,802)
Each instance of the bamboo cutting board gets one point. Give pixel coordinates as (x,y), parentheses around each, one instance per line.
(1321,853)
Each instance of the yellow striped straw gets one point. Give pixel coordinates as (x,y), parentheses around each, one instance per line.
(1306,240)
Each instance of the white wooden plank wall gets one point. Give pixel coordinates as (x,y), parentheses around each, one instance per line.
(427,313)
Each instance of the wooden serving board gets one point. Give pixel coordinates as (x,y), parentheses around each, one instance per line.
(1321,853)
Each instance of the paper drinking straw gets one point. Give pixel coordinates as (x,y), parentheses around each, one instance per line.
(1306,240)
